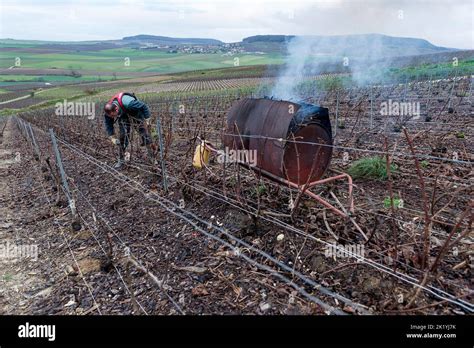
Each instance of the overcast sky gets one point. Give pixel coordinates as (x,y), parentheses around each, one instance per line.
(442,22)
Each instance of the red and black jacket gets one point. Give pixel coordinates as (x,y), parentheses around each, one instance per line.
(136,109)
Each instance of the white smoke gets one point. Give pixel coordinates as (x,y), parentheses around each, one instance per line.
(364,57)
(300,55)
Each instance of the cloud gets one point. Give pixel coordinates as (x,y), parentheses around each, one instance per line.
(445,24)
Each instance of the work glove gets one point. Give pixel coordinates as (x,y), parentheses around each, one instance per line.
(114,140)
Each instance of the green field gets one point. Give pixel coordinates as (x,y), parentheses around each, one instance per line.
(89,65)
(436,71)
(53,78)
(126,60)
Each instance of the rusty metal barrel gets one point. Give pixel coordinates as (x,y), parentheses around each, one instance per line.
(292,141)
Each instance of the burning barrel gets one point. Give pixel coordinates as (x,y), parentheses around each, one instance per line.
(292,141)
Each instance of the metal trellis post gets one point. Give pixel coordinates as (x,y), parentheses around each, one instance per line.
(59,163)
(162,159)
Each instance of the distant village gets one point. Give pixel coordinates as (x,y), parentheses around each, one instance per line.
(228,49)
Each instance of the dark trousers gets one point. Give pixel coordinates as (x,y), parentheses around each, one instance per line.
(125,127)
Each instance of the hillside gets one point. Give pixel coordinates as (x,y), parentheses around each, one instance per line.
(367,45)
(164,40)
